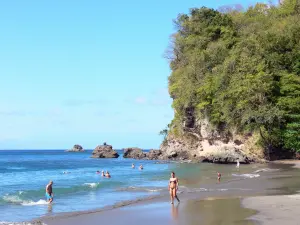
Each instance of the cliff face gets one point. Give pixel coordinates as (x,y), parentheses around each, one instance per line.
(200,141)
(234,93)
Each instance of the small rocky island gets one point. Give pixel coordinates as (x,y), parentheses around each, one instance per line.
(76,148)
(104,151)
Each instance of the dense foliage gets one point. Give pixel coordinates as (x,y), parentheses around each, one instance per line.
(241,70)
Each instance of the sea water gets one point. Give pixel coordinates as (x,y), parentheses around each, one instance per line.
(24,175)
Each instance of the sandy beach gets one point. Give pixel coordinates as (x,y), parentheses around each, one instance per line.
(269,199)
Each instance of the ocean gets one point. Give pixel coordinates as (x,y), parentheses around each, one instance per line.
(77,187)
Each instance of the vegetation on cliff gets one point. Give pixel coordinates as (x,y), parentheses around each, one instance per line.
(241,70)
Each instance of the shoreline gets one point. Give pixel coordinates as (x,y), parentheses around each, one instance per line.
(230,190)
(161,202)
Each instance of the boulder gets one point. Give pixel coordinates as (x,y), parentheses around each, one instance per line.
(154,154)
(104,151)
(134,153)
(76,148)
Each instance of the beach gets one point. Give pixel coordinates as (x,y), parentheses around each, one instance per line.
(133,196)
(269,199)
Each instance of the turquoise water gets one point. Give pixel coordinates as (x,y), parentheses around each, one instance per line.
(24,175)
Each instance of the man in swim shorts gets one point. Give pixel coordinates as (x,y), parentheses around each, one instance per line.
(49,193)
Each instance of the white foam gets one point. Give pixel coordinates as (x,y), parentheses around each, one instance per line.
(12,199)
(246,175)
(265,170)
(222,189)
(32,203)
(92,185)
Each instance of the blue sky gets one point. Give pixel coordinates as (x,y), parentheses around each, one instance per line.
(86,71)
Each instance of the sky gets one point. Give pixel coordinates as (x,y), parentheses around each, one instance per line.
(87,71)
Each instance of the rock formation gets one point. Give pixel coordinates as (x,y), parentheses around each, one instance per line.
(134,153)
(104,151)
(76,148)
(203,143)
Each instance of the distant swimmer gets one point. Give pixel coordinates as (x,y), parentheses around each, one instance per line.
(141,167)
(98,172)
(237,164)
(173,187)
(102,173)
(132,166)
(107,175)
(219,177)
(49,193)
(66,172)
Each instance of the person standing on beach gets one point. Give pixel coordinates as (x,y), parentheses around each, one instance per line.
(173,187)
(49,193)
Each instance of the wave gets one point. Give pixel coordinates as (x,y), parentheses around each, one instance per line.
(15,168)
(246,175)
(33,197)
(266,170)
(92,185)
(14,199)
(32,203)
(141,189)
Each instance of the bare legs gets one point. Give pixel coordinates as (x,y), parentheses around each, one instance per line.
(173,195)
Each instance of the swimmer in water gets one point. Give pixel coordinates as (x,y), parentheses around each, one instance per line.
(132,166)
(219,177)
(102,173)
(173,187)
(98,171)
(141,167)
(107,175)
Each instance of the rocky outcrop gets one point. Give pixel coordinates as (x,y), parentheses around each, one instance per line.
(134,153)
(137,153)
(104,151)
(76,148)
(154,154)
(202,143)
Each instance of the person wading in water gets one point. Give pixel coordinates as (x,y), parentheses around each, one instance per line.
(49,193)
(173,187)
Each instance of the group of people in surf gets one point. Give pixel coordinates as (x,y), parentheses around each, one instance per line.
(106,174)
(140,167)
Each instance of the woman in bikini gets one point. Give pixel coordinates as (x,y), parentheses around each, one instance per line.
(173,187)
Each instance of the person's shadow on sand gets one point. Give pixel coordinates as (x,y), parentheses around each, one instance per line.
(174,212)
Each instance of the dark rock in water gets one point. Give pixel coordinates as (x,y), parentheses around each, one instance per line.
(154,154)
(76,148)
(104,151)
(134,153)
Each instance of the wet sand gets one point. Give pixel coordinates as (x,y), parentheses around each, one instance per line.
(276,210)
(191,212)
(243,202)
